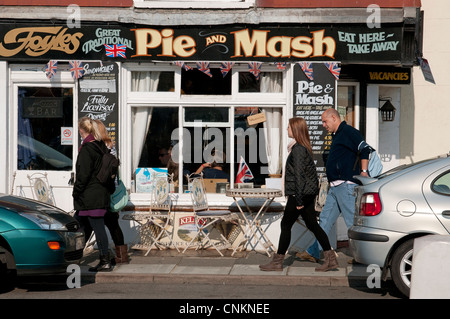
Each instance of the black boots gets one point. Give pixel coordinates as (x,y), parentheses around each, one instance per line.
(103,265)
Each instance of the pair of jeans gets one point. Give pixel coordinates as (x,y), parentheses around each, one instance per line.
(340,200)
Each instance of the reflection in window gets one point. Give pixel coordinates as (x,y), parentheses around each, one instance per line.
(152,81)
(268,82)
(42,114)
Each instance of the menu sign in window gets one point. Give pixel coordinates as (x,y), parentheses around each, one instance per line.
(98,95)
(311,99)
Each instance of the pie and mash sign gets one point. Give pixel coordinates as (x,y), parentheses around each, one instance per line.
(215,43)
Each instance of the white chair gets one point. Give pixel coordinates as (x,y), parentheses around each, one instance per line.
(41,189)
(207,220)
(158,223)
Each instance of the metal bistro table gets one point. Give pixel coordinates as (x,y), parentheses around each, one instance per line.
(253,221)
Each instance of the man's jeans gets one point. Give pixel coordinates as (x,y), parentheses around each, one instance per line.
(340,199)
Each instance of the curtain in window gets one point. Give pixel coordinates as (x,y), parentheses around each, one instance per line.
(271,82)
(142,82)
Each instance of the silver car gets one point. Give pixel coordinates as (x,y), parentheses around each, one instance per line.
(392,210)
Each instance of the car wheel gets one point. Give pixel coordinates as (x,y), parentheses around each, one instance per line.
(7,276)
(401,267)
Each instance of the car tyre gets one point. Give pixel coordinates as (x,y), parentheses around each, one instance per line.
(7,276)
(401,267)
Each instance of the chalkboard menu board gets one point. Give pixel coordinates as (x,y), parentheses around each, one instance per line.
(311,99)
(98,96)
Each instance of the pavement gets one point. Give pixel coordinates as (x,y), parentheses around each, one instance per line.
(207,266)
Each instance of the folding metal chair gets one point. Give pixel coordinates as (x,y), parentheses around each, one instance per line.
(41,189)
(156,224)
(207,220)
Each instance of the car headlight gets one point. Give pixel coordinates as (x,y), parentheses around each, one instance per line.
(44,221)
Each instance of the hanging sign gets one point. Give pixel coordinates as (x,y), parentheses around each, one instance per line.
(426,70)
(256,118)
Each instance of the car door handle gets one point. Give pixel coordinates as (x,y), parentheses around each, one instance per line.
(446,213)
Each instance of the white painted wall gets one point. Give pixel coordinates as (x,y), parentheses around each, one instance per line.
(431,113)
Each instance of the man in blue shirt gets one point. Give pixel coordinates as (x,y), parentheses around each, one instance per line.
(340,169)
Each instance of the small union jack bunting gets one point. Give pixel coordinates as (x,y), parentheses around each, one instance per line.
(334,69)
(183,65)
(76,69)
(225,67)
(50,69)
(307,69)
(115,50)
(204,67)
(281,65)
(255,68)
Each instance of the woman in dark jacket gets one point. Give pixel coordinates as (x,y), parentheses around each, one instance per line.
(301,185)
(92,198)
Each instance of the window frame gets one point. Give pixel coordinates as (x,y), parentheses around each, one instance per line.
(176,99)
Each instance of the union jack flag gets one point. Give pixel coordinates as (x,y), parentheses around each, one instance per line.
(244,172)
(255,68)
(76,69)
(225,67)
(204,67)
(281,65)
(50,69)
(115,50)
(183,65)
(334,69)
(307,69)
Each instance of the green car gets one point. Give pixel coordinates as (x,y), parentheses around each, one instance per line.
(37,238)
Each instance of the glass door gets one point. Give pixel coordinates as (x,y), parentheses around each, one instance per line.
(45,136)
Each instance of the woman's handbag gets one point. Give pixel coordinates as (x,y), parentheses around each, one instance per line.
(119,199)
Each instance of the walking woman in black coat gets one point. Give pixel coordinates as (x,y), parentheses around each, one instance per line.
(301,185)
(91,198)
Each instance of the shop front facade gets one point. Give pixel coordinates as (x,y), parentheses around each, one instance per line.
(173,95)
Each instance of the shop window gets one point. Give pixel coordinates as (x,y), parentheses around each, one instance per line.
(152,81)
(195,82)
(210,127)
(207,146)
(259,144)
(45,115)
(268,82)
(202,114)
(152,144)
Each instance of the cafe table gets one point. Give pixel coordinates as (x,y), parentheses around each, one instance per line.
(252,220)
